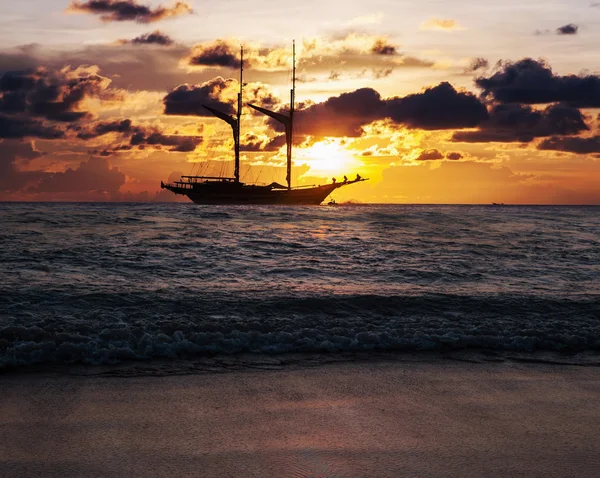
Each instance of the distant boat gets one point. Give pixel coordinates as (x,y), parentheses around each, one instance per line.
(332,202)
(227,190)
(497,204)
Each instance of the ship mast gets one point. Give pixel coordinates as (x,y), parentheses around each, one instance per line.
(287,121)
(234,122)
(236,172)
(291,128)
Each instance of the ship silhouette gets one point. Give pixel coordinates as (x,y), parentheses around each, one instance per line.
(230,190)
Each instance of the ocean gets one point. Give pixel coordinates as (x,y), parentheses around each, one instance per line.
(107,284)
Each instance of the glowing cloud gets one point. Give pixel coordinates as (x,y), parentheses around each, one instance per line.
(441,24)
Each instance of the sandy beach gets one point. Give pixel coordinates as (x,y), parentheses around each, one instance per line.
(412,417)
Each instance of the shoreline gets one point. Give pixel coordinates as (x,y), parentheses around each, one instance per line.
(351,419)
(223,363)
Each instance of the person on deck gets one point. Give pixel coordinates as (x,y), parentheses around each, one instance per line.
(345,179)
(358,178)
(333,180)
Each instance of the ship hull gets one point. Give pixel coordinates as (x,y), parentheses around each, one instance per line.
(232,193)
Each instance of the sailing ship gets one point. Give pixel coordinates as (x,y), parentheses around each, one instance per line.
(230,190)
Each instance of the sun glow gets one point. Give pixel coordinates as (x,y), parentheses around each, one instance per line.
(328,157)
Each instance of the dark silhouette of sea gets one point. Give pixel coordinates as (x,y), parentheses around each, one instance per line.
(110,283)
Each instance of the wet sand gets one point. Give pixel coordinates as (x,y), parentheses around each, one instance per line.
(363,419)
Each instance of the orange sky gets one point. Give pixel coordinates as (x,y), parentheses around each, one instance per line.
(434,103)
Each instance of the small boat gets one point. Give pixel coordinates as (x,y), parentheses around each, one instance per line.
(497,204)
(331,202)
(227,190)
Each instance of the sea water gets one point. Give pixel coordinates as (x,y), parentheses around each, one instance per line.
(109,283)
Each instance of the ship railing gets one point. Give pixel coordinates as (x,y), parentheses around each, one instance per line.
(306,186)
(216,178)
(191,180)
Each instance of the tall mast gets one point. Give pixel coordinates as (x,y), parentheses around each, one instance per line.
(292,103)
(237,138)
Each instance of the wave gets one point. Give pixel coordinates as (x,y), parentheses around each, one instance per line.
(112,328)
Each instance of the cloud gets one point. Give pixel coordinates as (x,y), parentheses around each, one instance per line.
(96,174)
(440,24)
(128,10)
(570,29)
(575,144)
(99,129)
(436,108)
(382,47)
(57,95)
(16,127)
(477,64)
(218,93)
(454,156)
(218,53)
(430,155)
(188,100)
(436,155)
(521,123)
(154,38)
(174,143)
(352,51)
(128,65)
(12,153)
(140,136)
(533,82)
(342,115)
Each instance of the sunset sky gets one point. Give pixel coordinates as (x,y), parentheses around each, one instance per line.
(435,101)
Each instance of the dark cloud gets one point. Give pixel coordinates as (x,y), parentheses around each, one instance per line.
(16,127)
(102,128)
(454,156)
(533,82)
(382,47)
(477,64)
(19,59)
(128,10)
(154,38)
(188,99)
(570,29)
(52,94)
(440,107)
(430,155)
(437,108)
(251,143)
(572,144)
(342,115)
(521,123)
(217,54)
(174,143)
(436,155)
(140,136)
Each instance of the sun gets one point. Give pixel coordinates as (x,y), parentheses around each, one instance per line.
(328,157)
